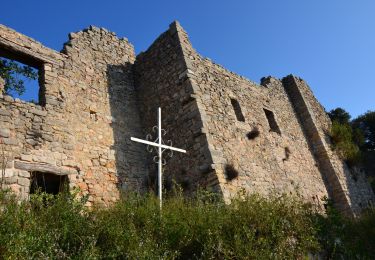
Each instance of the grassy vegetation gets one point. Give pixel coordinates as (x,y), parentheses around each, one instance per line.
(197,228)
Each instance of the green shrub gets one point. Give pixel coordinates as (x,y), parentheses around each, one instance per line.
(359,236)
(253,227)
(346,238)
(203,227)
(342,140)
(45,227)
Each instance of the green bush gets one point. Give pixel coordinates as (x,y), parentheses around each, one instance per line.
(343,143)
(359,236)
(45,227)
(203,227)
(61,227)
(354,140)
(346,238)
(250,228)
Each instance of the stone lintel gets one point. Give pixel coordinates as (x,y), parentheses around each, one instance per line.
(43,167)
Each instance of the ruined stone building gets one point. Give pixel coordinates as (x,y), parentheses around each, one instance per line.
(96,93)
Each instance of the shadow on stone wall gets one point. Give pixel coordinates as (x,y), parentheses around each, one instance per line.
(130,157)
(359,190)
(349,195)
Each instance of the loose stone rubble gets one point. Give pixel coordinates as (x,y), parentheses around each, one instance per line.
(96,93)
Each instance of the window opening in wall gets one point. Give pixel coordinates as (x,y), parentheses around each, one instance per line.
(272,121)
(21,80)
(93,116)
(287,154)
(237,110)
(48,182)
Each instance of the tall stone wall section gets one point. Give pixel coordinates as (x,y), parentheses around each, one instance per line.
(87,104)
(164,79)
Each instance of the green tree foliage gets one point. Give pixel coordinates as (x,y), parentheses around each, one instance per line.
(13,72)
(366,123)
(355,140)
(343,142)
(339,115)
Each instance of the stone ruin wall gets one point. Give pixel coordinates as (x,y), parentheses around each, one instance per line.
(271,162)
(261,163)
(96,94)
(284,162)
(290,161)
(164,79)
(81,130)
(347,186)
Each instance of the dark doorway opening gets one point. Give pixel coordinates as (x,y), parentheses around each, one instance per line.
(48,182)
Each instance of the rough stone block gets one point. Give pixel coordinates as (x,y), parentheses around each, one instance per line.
(4,132)
(26,157)
(23,182)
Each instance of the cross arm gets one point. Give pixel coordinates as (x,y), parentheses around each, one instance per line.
(156,144)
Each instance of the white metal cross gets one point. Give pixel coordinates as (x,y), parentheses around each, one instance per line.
(161,148)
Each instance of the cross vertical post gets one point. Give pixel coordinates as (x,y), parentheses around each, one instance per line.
(159,143)
(160,159)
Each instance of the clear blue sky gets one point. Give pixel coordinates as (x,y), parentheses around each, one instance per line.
(329,43)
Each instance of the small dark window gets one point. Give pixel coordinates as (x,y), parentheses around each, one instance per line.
(237,110)
(272,121)
(48,183)
(93,115)
(287,154)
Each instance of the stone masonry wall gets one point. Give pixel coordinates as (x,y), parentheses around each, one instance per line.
(89,103)
(164,79)
(104,113)
(275,161)
(32,135)
(270,162)
(2,85)
(346,186)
